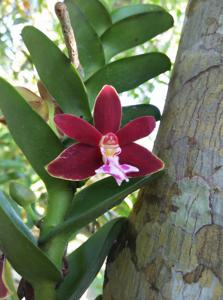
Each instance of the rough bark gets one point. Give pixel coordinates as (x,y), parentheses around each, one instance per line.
(174,246)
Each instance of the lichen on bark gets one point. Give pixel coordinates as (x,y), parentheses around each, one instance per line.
(176,251)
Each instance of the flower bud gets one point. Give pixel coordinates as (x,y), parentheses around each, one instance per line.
(21,194)
(37,103)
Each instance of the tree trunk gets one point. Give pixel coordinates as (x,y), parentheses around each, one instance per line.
(174,246)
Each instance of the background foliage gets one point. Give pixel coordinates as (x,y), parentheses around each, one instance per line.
(15,66)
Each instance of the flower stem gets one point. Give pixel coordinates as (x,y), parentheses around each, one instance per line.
(68,33)
(31,214)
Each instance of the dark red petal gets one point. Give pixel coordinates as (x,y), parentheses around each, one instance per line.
(107,110)
(78,129)
(3,288)
(136,130)
(77,162)
(141,158)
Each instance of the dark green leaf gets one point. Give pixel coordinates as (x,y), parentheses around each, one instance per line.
(134,111)
(89,46)
(57,73)
(18,244)
(132,10)
(86,261)
(133,26)
(128,73)
(96,14)
(96,199)
(36,139)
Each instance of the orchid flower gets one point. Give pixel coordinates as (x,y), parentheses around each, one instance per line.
(105,148)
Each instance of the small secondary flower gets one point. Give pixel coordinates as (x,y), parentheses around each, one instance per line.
(105,148)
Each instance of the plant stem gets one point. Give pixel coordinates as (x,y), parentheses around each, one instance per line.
(30,212)
(45,291)
(59,201)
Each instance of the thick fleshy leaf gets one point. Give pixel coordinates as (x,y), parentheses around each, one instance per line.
(90,50)
(135,130)
(134,25)
(135,111)
(96,14)
(18,244)
(35,138)
(132,10)
(78,129)
(141,158)
(107,110)
(85,262)
(96,199)
(77,162)
(57,73)
(128,73)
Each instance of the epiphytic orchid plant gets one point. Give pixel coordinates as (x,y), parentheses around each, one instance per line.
(44,128)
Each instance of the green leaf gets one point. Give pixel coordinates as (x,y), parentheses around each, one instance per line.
(86,261)
(127,73)
(133,26)
(135,111)
(18,244)
(96,199)
(96,14)
(36,139)
(57,73)
(132,10)
(89,46)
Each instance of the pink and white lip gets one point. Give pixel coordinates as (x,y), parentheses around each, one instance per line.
(91,154)
(110,151)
